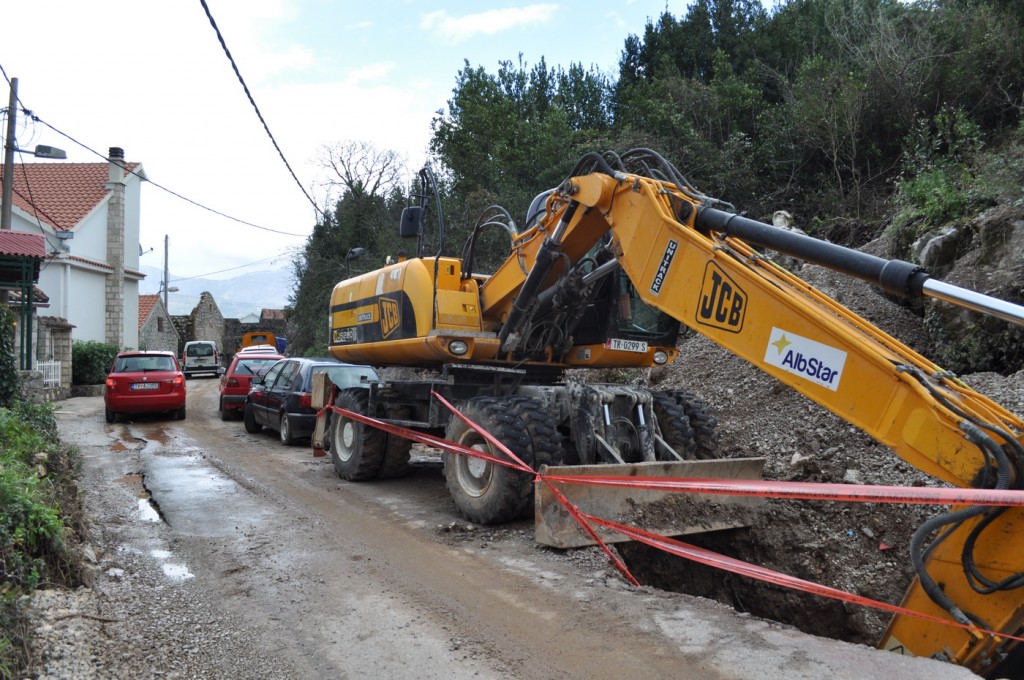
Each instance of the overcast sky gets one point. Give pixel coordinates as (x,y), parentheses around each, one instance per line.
(151,77)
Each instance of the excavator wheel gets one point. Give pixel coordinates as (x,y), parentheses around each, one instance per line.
(357,450)
(545,440)
(395,461)
(675,427)
(484,492)
(705,427)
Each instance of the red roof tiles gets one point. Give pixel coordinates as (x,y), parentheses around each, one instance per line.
(61,194)
(22,245)
(146,305)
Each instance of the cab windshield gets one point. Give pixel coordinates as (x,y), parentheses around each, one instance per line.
(635,316)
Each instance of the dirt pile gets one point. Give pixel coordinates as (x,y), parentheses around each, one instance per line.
(860,548)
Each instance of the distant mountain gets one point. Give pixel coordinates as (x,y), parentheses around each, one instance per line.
(235,297)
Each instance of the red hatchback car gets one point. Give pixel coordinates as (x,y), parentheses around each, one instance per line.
(144,382)
(235,383)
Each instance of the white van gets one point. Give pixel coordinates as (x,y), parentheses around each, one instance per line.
(200,356)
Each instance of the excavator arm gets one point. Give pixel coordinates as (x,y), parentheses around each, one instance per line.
(682,253)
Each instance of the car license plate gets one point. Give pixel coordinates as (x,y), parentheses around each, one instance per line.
(626,345)
(145,386)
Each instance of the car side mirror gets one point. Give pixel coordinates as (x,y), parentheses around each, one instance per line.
(256,380)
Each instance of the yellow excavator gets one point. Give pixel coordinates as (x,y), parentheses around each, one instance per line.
(601,275)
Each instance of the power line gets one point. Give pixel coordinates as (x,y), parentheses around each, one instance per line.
(36,119)
(229,269)
(160,186)
(253,102)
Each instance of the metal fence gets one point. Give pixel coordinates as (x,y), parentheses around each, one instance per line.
(51,372)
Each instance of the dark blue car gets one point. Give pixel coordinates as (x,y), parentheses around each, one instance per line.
(282,398)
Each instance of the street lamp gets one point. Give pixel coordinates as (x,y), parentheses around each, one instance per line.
(352,254)
(165,290)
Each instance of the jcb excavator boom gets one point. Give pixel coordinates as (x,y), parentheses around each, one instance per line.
(685,257)
(606,268)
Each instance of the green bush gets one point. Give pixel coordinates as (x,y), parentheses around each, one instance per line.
(90,362)
(937,194)
(10,385)
(35,501)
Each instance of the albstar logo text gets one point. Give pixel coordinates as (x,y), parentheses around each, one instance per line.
(811,360)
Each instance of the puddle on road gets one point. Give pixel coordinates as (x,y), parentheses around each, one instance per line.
(158,436)
(194,497)
(147,511)
(173,571)
(177,572)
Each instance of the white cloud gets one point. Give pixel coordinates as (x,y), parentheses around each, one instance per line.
(371,72)
(454,30)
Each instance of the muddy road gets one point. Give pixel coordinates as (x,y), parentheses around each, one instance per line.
(274,567)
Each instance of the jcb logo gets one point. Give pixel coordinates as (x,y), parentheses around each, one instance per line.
(723,304)
(389,317)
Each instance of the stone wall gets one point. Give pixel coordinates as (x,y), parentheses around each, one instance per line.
(159,332)
(208,322)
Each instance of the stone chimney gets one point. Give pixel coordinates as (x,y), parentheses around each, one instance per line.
(115,247)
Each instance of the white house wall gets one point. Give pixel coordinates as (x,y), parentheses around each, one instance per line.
(132,222)
(130,332)
(80,296)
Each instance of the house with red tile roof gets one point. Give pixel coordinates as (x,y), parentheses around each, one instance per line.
(156,329)
(89,215)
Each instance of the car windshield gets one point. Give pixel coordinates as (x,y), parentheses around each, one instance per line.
(203,350)
(254,366)
(349,376)
(138,364)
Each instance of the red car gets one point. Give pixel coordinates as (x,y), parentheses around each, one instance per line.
(144,382)
(234,384)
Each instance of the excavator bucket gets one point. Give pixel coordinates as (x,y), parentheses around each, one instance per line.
(663,512)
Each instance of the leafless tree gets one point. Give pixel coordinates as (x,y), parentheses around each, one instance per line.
(361,168)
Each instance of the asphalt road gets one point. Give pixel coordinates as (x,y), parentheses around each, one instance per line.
(384,580)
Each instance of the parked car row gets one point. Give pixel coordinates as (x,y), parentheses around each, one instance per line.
(265,388)
(281,399)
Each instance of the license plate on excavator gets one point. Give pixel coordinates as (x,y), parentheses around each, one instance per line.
(662,512)
(626,345)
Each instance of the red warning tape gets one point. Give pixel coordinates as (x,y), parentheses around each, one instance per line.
(813,491)
(735,566)
(762,488)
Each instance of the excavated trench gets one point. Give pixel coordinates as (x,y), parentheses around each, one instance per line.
(856,549)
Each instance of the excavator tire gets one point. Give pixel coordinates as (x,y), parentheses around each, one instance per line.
(484,492)
(396,451)
(357,450)
(675,427)
(545,440)
(705,427)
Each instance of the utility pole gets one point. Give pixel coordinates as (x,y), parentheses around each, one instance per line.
(166,273)
(8,187)
(12,114)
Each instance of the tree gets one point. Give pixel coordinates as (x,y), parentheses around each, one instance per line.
(517,132)
(365,215)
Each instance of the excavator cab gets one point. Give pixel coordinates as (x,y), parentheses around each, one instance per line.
(618,316)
